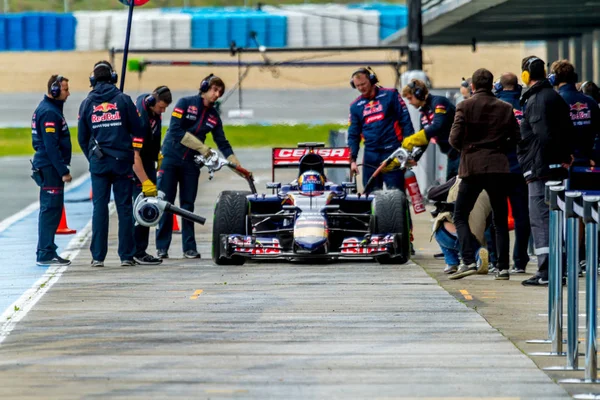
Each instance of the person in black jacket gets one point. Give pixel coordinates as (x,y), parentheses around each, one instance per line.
(191,120)
(150,107)
(544,153)
(109,132)
(51,141)
(507,88)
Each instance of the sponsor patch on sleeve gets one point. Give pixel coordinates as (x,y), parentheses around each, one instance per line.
(50,130)
(138,143)
(440,109)
(49,124)
(177,113)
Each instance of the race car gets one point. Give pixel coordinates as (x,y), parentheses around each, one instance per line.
(311,217)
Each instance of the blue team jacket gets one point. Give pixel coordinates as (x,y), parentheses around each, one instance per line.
(191,115)
(437,116)
(513,97)
(50,136)
(383,122)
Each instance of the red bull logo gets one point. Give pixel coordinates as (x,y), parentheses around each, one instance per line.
(105,107)
(580,111)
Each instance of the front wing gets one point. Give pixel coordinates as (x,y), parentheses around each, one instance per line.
(267,248)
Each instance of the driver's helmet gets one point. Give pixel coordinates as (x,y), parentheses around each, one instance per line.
(310,182)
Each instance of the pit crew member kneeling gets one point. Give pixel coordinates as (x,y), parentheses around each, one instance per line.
(192,119)
(381,116)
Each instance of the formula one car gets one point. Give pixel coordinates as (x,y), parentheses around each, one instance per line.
(311,217)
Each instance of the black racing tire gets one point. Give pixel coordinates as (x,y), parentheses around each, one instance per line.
(231,211)
(390,215)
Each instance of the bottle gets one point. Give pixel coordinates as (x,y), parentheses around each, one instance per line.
(412,187)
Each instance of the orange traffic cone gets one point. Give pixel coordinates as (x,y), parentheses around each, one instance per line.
(63,229)
(175,225)
(511,220)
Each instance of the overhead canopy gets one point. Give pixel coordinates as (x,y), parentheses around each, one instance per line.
(448,22)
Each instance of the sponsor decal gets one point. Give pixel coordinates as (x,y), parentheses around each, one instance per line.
(331,155)
(49,124)
(579,113)
(177,113)
(138,143)
(212,120)
(106,117)
(373,118)
(373,107)
(192,110)
(440,109)
(50,130)
(105,107)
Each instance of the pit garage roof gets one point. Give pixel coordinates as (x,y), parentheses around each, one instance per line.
(448,22)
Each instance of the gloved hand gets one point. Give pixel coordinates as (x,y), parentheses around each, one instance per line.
(394,164)
(159,161)
(233,159)
(415,140)
(149,188)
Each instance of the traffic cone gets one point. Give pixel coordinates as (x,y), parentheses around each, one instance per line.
(511,220)
(63,229)
(175,225)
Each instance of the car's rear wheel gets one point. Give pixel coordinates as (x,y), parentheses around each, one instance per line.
(231,210)
(390,215)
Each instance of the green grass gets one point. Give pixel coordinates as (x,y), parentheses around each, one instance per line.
(17,141)
(78,5)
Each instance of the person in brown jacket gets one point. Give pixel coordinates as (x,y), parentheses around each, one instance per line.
(484,130)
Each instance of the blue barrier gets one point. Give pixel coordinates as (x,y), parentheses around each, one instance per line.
(37,31)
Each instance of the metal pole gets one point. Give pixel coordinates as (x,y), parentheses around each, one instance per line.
(573,279)
(126,49)
(415,35)
(590,218)
(66,5)
(551,262)
(555,273)
(6,7)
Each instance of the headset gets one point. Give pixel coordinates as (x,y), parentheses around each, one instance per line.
(113,75)
(56,87)
(583,85)
(367,71)
(466,85)
(526,74)
(554,80)
(416,91)
(498,87)
(205,85)
(152,98)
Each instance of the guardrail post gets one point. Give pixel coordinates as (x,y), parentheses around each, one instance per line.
(548,193)
(590,218)
(572,250)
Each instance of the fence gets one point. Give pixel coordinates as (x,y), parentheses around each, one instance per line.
(568,209)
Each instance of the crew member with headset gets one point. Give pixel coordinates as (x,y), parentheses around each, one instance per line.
(110,137)
(51,141)
(192,119)
(381,117)
(150,107)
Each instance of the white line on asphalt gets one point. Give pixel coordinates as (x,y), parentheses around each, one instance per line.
(17,311)
(7,222)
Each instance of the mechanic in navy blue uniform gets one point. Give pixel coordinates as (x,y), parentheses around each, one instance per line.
(51,141)
(381,117)
(507,89)
(109,132)
(191,120)
(584,111)
(150,107)
(437,116)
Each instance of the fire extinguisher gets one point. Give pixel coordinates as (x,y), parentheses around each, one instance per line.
(412,186)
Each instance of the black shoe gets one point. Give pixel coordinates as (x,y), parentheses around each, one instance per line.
(536,280)
(439,256)
(147,259)
(162,254)
(54,261)
(128,263)
(502,275)
(191,254)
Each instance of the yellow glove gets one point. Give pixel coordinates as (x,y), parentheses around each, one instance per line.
(149,188)
(233,159)
(394,164)
(415,140)
(159,162)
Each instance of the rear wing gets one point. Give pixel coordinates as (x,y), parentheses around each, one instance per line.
(333,157)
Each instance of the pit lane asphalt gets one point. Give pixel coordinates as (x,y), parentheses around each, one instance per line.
(191,329)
